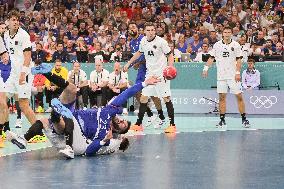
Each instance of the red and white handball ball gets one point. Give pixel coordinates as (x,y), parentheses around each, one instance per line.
(170,72)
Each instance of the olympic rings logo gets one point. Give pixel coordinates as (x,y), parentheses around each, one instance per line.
(263,101)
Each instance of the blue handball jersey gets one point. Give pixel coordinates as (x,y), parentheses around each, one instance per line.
(95,122)
(134,46)
(5,70)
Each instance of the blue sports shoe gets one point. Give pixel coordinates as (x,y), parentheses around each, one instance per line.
(41,69)
(58,107)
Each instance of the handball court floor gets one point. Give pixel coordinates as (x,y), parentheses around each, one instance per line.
(198,156)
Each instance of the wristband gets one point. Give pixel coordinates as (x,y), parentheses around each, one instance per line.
(26,70)
(144,84)
(102,143)
(238,73)
(205,68)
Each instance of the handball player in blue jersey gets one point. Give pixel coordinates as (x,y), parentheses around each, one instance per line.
(140,64)
(85,131)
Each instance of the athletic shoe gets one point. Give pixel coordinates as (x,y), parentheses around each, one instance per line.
(246,123)
(67,152)
(136,128)
(20,141)
(171,129)
(221,124)
(2,145)
(124,111)
(39,109)
(159,124)
(38,139)
(58,107)
(48,110)
(18,123)
(41,69)
(151,120)
(3,135)
(136,112)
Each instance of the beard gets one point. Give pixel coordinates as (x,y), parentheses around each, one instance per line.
(133,33)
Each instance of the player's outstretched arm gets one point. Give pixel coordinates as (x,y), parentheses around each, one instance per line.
(135,57)
(171,59)
(122,98)
(207,66)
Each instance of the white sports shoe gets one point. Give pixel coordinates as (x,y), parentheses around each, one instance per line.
(18,123)
(136,111)
(159,124)
(20,141)
(124,111)
(48,110)
(151,120)
(67,152)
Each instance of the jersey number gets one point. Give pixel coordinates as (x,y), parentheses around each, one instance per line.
(12,51)
(226,54)
(150,53)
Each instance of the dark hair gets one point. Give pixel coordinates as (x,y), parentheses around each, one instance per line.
(126,129)
(124,144)
(251,60)
(227,28)
(14,13)
(148,24)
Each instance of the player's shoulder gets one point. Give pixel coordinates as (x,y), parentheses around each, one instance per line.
(235,43)
(217,44)
(143,40)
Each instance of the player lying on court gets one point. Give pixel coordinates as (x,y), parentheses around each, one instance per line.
(85,131)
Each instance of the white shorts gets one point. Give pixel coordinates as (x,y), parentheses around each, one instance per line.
(12,86)
(224,85)
(161,89)
(80,143)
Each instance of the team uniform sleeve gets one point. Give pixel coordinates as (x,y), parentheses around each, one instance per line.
(239,53)
(2,47)
(27,44)
(212,53)
(165,47)
(94,147)
(141,48)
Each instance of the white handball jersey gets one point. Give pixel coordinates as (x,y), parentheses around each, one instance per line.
(2,46)
(226,56)
(16,46)
(155,52)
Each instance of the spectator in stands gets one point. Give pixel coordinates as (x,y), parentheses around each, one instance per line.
(268,50)
(75,34)
(82,30)
(212,37)
(176,52)
(70,49)
(98,83)
(279,49)
(50,48)
(203,55)
(39,53)
(117,55)
(102,37)
(37,40)
(49,37)
(181,45)
(51,90)
(60,53)
(81,50)
(118,82)
(191,52)
(96,50)
(251,76)
(196,44)
(78,77)
(260,41)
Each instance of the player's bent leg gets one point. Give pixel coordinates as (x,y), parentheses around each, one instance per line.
(222,109)
(241,106)
(69,94)
(170,109)
(142,109)
(27,110)
(158,105)
(59,108)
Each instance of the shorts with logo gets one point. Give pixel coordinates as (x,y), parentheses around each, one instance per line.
(12,86)
(230,84)
(161,89)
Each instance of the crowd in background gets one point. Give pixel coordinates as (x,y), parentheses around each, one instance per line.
(69,30)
